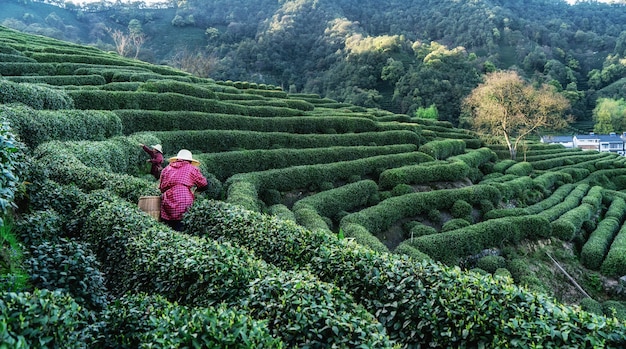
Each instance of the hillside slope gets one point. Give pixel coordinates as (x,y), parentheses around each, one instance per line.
(327,224)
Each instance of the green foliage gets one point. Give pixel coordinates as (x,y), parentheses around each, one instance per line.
(424,172)
(453,224)
(188,89)
(45,319)
(34,96)
(13,275)
(39,126)
(443,149)
(11,155)
(427,113)
(520,169)
(491,263)
(60,80)
(345,198)
(68,266)
(174,325)
(461,209)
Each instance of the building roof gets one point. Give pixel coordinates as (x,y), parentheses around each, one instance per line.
(557,139)
(613,138)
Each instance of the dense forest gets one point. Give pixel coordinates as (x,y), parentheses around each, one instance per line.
(396,55)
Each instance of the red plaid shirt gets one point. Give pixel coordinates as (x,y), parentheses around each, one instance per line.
(176,182)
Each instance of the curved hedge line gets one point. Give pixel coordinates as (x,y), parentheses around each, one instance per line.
(40,126)
(443,149)
(557,197)
(568,224)
(111,100)
(208,141)
(153,120)
(596,247)
(226,164)
(330,202)
(60,80)
(34,96)
(420,303)
(138,254)
(188,89)
(424,172)
(614,265)
(382,216)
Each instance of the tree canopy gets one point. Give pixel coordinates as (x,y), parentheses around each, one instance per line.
(505,105)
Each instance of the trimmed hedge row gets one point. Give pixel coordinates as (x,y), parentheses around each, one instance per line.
(209,141)
(45,319)
(450,246)
(596,247)
(39,126)
(420,303)
(570,202)
(138,254)
(382,216)
(11,166)
(345,198)
(476,158)
(282,103)
(557,197)
(60,80)
(424,172)
(34,96)
(520,169)
(188,89)
(152,120)
(111,100)
(586,160)
(226,164)
(302,176)
(568,225)
(443,149)
(614,265)
(176,326)
(65,168)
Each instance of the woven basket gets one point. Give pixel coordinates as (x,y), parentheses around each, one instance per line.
(151,205)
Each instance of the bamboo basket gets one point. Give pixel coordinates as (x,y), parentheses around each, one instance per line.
(151,205)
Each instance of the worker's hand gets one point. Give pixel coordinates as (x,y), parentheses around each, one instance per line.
(141,145)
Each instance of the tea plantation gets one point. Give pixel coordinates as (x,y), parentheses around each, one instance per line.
(325,225)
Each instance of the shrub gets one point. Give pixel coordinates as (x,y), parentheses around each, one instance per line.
(281,211)
(45,319)
(491,263)
(591,305)
(614,265)
(411,252)
(443,149)
(420,229)
(11,162)
(34,96)
(461,209)
(177,326)
(520,169)
(71,267)
(424,173)
(329,203)
(454,224)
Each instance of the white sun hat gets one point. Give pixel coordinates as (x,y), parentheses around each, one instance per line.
(158,148)
(185,154)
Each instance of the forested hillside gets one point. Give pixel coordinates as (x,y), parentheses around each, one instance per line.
(326,224)
(397,55)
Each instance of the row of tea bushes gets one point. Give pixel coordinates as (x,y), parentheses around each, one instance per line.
(279,103)
(382,216)
(112,100)
(60,80)
(306,175)
(443,149)
(597,245)
(39,126)
(555,198)
(567,226)
(154,120)
(187,89)
(140,255)
(425,172)
(34,96)
(207,141)
(577,159)
(225,164)
(329,203)
(420,303)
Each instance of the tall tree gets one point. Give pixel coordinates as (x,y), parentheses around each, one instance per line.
(507,106)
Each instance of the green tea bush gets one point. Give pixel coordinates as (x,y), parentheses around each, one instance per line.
(244,194)
(420,229)
(443,149)
(461,209)
(491,263)
(34,96)
(571,201)
(345,198)
(45,319)
(514,188)
(39,126)
(176,326)
(596,247)
(424,172)
(65,168)
(402,189)
(411,252)
(309,218)
(139,254)
(27,68)
(382,216)
(503,165)
(11,161)
(60,80)
(121,86)
(614,265)
(449,246)
(614,308)
(556,198)
(303,176)
(520,169)
(183,88)
(281,211)
(227,140)
(419,303)
(71,267)
(455,223)
(155,120)
(591,305)
(363,237)
(225,164)
(476,158)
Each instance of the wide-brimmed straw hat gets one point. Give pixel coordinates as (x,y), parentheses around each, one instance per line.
(185,154)
(158,148)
